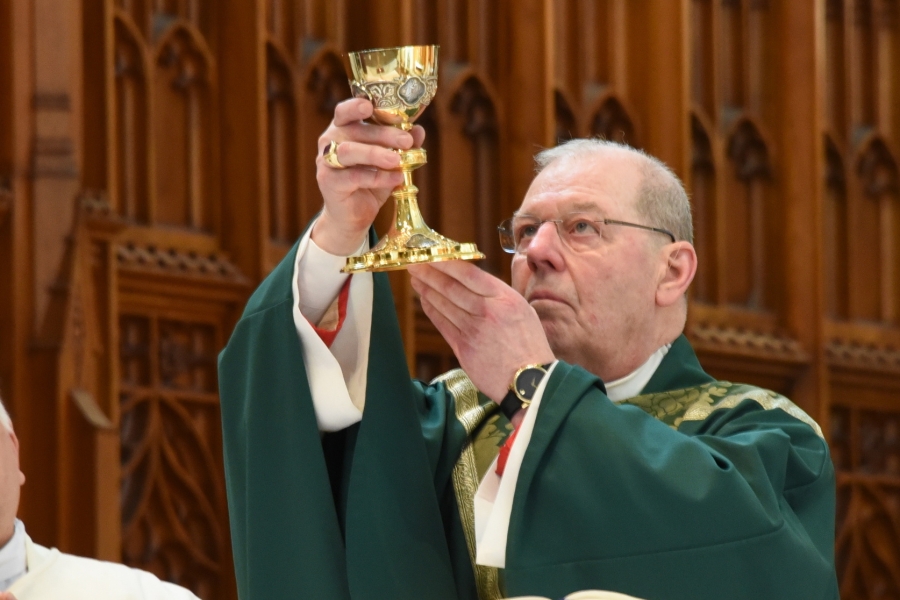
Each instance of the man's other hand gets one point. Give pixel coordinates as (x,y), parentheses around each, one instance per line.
(491,328)
(6,596)
(354,195)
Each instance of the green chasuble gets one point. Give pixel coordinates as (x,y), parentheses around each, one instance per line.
(695,489)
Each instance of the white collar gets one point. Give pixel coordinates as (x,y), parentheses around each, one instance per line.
(632,384)
(12,557)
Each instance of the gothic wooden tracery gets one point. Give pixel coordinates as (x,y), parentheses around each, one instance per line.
(868,533)
(475,110)
(861,183)
(835,229)
(612,122)
(877,214)
(746,214)
(171,522)
(133,117)
(5,204)
(703,179)
(281,103)
(183,93)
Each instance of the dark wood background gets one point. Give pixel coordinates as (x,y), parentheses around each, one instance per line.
(156,160)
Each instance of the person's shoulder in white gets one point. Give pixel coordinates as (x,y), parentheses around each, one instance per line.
(29,571)
(53,574)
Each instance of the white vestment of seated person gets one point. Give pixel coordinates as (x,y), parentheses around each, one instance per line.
(53,575)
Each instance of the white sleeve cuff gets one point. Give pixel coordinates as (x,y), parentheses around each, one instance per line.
(337,375)
(494,498)
(319,279)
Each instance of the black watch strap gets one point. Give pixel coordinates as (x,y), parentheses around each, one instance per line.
(512,402)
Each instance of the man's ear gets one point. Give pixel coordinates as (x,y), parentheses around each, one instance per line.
(677,272)
(15,442)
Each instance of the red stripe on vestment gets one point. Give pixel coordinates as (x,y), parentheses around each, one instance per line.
(328,335)
(504,452)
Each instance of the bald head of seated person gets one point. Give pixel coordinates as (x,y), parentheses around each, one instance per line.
(29,571)
(581,446)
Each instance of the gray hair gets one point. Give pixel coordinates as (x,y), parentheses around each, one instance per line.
(661,198)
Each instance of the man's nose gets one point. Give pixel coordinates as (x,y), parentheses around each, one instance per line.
(546,247)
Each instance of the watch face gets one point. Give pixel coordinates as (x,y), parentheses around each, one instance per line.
(527,382)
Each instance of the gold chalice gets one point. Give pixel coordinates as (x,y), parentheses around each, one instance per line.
(400,83)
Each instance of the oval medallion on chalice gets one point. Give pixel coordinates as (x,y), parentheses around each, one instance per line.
(400,83)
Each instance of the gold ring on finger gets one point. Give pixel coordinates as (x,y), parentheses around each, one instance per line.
(331,157)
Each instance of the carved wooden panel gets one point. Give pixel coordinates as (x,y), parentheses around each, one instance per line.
(177,308)
(861,137)
(7,112)
(172,488)
(704,198)
(165,107)
(837,252)
(590,67)
(6,198)
(472,130)
(862,265)
(866,452)
(873,250)
(305,79)
(732,156)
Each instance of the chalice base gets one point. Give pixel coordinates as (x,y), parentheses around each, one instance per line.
(410,241)
(399,249)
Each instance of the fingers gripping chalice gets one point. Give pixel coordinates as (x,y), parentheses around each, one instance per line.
(400,83)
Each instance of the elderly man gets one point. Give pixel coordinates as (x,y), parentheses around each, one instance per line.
(29,571)
(583,446)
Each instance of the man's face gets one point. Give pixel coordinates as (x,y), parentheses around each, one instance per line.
(11,480)
(593,304)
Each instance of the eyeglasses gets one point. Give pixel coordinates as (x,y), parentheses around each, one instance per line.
(578,231)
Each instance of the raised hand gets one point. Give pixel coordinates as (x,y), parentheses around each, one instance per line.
(354,195)
(491,328)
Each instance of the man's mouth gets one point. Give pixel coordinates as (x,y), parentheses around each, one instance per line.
(544,295)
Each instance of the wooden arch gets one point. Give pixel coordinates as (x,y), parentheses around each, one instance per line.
(566,123)
(835,173)
(877,167)
(166,54)
(703,155)
(613,119)
(280,85)
(326,79)
(749,150)
(474,103)
(131,34)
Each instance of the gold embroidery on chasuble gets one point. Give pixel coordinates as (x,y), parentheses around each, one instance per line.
(697,403)
(476,456)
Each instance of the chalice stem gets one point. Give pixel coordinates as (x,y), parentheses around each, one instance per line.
(407,216)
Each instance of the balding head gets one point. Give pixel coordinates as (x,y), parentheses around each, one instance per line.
(660,197)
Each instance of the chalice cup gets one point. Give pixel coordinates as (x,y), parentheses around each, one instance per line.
(400,83)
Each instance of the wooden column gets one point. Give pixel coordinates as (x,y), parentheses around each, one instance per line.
(245,155)
(800,74)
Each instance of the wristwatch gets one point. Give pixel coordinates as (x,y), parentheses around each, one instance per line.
(522,389)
